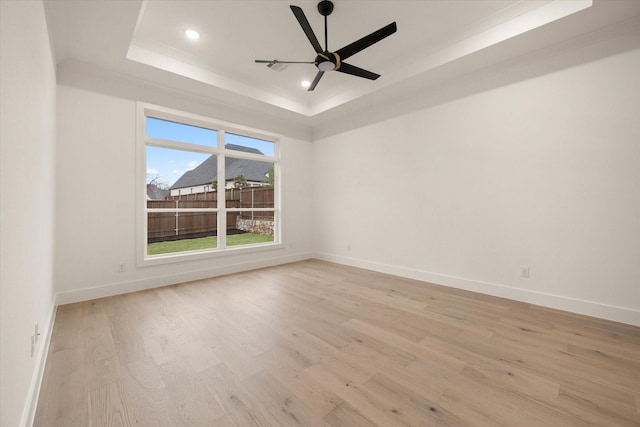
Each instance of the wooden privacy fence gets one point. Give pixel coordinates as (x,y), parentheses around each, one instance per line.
(163,226)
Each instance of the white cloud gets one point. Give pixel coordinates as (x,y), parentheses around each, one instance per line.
(192,164)
(177,171)
(152,171)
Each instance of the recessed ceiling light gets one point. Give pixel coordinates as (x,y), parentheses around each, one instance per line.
(192,34)
(305,83)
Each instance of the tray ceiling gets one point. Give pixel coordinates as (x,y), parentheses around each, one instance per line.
(146,39)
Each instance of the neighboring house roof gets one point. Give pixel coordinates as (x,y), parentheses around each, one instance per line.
(207,171)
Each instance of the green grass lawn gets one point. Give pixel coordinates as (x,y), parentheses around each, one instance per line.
(205,243)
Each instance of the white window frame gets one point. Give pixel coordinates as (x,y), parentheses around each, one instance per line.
(144,110)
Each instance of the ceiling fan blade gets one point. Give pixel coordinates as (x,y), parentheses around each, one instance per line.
(302,20)
(366,41)
(315,81)
(275,61)
(356,71)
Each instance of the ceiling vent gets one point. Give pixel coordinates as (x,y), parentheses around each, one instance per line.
(277,66)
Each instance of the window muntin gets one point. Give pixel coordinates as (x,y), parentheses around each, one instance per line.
(249,144)
(181,132)
(185,218)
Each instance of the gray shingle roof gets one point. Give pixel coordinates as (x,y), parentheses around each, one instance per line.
(207,171)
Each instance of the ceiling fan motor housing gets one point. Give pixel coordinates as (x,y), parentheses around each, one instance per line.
(327,61)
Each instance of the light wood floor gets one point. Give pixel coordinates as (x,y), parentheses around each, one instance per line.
(317,344)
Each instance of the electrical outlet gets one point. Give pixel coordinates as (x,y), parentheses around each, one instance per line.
(524,272)
(34,339)
(122,267)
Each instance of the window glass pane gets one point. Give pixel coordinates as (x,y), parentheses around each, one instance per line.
(248,144)
(180,173)
(254,198)
(250,228)
(164,129)
(243,173)
(170,232)
(162,226)
(181,224)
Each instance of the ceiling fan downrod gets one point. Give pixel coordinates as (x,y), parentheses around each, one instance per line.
(325,7)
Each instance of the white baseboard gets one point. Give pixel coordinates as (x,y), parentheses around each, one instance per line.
(589,308)
(29,412)
(86,294)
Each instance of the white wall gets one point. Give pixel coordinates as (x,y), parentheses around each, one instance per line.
(27,176)
(542,173)
(96,204)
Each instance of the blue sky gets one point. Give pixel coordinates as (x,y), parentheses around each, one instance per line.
(169,164)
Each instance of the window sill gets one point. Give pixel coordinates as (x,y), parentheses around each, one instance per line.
(147,261)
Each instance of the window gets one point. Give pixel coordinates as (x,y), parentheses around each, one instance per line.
(210,188)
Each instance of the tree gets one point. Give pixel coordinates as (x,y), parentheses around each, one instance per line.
(155,180)
(269,178)
(214,185)
(240,181)
(157,189)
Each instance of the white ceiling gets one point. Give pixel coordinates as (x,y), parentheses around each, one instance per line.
(145,39)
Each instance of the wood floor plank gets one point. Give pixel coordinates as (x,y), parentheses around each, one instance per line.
(399,322)
(606,410)
(107,408)
(70,332)
(280,402)
(194,401)
(63,401)
(513,379)
(349,391)
(236,402)
(507,408)
(142,379)
(413,350)
(345,416)
(408,407)
(319,344)
(155,409)
(467,414)
(284,366)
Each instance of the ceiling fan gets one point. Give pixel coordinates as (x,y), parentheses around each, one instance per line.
(333,61)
